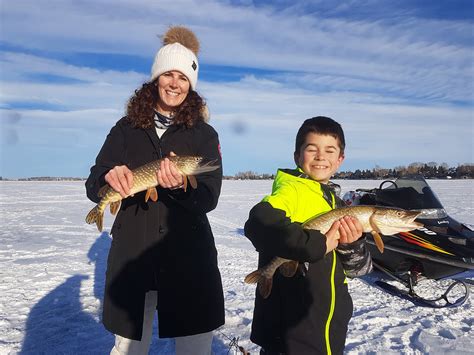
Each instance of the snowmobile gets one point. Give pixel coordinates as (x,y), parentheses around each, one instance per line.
(442,249)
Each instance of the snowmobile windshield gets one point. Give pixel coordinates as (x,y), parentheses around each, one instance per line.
(412,193)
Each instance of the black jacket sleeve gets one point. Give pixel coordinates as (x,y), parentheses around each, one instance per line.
(271,232)
(355,258)
(204,198)
(110,155)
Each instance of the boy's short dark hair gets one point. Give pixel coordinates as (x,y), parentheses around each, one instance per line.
(320,125)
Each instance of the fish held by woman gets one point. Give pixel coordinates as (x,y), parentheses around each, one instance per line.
(144,179)
(374,220)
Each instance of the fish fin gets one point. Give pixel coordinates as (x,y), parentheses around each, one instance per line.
(185,183)
(378,241)
(265,287)
(115,206)
(103,190)
(253,277)
(151,193)
(289,268)
(193,181)
(94,216)
(100,222)
(154,194)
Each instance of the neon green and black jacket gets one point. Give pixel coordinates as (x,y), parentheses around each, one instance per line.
(307,313)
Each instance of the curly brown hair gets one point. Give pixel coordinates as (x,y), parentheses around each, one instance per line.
(140,107)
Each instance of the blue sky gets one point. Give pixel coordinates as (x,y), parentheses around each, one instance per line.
(398,75)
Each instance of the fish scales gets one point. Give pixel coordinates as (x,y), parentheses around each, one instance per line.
(324,221)
(144,177)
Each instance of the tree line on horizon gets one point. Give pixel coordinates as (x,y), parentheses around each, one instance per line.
(429,171)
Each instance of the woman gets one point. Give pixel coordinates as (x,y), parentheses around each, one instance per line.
(163,255)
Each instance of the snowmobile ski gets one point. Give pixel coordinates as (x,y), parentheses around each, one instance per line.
(410,294)
(417,300)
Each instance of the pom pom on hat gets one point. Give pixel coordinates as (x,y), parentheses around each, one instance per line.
(182,35)
(179,52)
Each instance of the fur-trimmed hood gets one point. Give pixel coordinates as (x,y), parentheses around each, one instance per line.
(205,113)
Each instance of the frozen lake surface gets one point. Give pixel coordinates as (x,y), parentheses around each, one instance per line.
(53,266)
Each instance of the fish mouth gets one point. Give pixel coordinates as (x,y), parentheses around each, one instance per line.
(404,222)
(409,216)
(409,220)
(392,229)
(418,224)
(407,226)
(412,214)
(414,225)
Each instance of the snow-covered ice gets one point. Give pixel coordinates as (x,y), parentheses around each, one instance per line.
(52,268)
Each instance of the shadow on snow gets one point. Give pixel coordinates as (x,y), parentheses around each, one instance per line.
(58,324)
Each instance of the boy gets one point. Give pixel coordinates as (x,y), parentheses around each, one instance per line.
(309,312)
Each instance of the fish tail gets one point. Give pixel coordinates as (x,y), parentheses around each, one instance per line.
(96,216)
(253,277)
(264,284)
(265,287)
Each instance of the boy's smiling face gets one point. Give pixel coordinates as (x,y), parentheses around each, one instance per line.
(319,157)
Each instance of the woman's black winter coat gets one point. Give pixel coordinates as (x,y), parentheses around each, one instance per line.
(166,245)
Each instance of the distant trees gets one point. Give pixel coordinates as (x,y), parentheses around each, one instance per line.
(250,175)
(429,170)
(51,178)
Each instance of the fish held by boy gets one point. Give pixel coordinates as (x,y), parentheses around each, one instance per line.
(374,220)
(144,178)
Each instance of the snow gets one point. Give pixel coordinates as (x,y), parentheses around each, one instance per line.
(52,268)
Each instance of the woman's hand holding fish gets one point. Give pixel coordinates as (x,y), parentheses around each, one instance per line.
(350,230)
(168,175)
(332,237)
(120,178)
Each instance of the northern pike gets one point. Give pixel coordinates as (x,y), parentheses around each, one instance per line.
(144,178)
(374,219)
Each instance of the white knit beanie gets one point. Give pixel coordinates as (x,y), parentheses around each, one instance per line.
(179,52)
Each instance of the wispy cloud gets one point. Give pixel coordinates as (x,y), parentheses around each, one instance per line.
(397,81)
